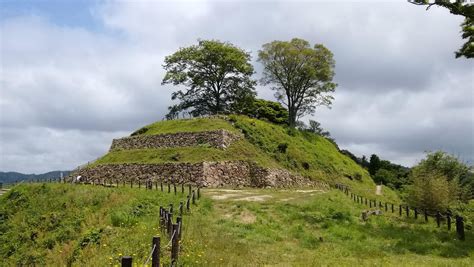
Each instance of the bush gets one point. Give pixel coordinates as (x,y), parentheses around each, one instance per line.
(435,182)
(91,237)
(429,190)
(305,165)
(267,110)
(140,131)
(282,147)
(358,176)
(122,219)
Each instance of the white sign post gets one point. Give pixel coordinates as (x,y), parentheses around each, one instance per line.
(378,190)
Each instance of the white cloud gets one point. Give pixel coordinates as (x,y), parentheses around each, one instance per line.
(401,90)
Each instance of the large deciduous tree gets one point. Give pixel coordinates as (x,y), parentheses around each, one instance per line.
(216,76)
(300,74)
(457,7)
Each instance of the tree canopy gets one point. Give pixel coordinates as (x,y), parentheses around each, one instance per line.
(458,7)
(300,74)
(216,76)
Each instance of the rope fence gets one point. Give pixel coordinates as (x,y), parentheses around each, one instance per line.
(407,210)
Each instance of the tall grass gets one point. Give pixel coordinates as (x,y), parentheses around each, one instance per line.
(61,224)
(83,225)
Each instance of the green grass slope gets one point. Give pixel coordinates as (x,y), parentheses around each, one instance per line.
(63,225)
(186,125)
(83,225)
(307,154)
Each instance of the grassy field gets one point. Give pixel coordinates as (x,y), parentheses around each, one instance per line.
(57,224)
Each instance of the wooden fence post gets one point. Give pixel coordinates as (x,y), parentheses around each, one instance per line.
(161,186)
(126,261)
(179,221)
(426,215)
(199,192)
(386,207)
(182,188)
(169,187)
(187,203)
(189,189)
(170,223)
(194,198)
(155,256)
(181,208)
(407,209)
(174,245)
(460,227)
(174,186)
(161,218)
(139,183)
(416,213)
(400,209)
(392,208)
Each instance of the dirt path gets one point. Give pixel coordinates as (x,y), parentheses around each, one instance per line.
(260,195)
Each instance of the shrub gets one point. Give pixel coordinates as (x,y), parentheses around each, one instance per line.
(305,165)
(282,147)
(430,189)
(91,237)
(435,182)
(176,157)
(358,176)
(122,219)
(140,131)
(267,110)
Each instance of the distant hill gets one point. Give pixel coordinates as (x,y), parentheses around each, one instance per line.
(11,177)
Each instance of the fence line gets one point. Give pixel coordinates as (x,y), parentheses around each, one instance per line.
(406,209)
(174,230)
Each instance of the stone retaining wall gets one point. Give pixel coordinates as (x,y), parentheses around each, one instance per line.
(217,138)
(206,174)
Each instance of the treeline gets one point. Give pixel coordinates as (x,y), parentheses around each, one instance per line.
(438,176)
(382,171)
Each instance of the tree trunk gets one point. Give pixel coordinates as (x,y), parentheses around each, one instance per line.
(291,117)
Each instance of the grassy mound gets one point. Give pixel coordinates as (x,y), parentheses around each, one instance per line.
(60,224)
(267,144)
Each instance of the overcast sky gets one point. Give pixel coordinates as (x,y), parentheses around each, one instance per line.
(76,74)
